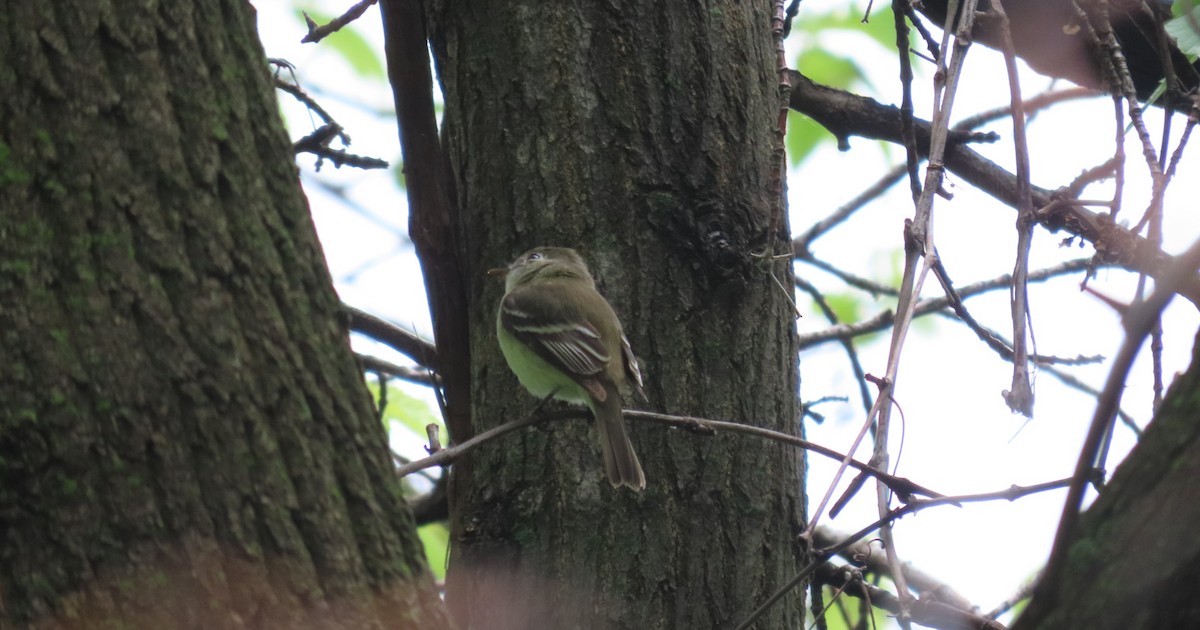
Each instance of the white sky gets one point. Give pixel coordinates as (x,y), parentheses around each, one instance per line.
(959,436)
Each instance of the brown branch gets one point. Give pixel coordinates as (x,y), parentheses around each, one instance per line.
(1031,105)
(924,584)
(313,106)
(860,375)
(884,319)
(317,143)
(410,374)
(845,114)
(802,243)
(1138,322)
(930,613)
(870,286)
(406,342)
(1012,493)
(317,33)
(433,211)
(1074,383)
(1019,396)
(904,488)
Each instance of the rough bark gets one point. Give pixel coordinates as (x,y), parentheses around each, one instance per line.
(185,438)
(642,135)
(1134,560)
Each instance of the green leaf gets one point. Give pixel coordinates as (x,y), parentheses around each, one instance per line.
(1185,30)
(803,137)
(829,69)
(405,411)
(435,537)
(879,26)
(846,306)
(351,45)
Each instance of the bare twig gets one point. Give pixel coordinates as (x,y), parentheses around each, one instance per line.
(413,375)
(930,613)
(884,319)
(1076,384)
(846,114)
(780,23)
(317,143)
(1038,102)
(822,556)
(309,102)
(317,33)
(904,488)
(1020,394)
(802,243)
(860,375)
(404,341)
(918,248)
(870,286)
(918,580)
(1014,599)
(1138,323)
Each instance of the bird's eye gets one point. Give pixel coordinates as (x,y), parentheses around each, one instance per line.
(534,256)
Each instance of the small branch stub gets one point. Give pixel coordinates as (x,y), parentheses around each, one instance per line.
(435,442)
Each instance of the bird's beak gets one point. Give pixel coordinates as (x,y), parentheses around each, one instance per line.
(498,272)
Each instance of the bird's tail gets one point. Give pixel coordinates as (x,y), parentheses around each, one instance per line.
(620,462)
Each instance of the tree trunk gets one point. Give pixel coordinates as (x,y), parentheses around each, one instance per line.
(641,134)
(1134,560)
(185,438)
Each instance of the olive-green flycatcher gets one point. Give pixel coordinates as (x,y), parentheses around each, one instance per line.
(562,338)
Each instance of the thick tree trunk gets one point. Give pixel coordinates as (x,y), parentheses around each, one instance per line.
(1134,561)
(641,134)
(185,438)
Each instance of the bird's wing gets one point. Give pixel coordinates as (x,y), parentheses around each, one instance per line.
(557,330)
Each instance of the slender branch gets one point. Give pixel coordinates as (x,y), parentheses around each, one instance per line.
(870,286)
(410,374)
(1097,12)
(1138,323)
(920,581)
(884,319)
(903,487)
(1012,493)
(406,342)
(860,375)
(920,255)
(309,102)
(1020,394)
(447,456)
(845,114)
(1033,104)
(1022,594)
(802,243)
(1003,348)
(961,312)
(780,23)
(1071,381)
(317,33)
(930,613)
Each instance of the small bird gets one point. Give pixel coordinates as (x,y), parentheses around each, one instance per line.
(563,339)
